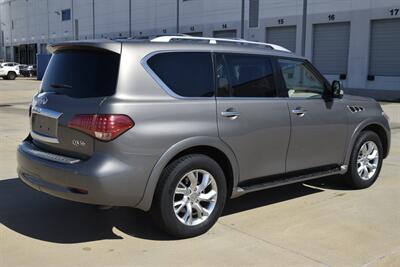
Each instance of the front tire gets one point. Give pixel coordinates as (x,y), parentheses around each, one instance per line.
(366,161)
(11,75)
(190,196)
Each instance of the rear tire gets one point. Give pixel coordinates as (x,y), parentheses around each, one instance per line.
(11,75)
(190,196)
(365,161)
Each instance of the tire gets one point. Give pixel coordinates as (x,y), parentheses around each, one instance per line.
(176,177)
(11,75)
(371,142)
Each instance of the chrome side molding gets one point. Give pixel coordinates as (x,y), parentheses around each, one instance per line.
(44,138)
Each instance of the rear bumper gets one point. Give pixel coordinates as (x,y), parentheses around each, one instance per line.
(102,180)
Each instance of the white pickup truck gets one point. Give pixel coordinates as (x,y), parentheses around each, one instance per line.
(9,70)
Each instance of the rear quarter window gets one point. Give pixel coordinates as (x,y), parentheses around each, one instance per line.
(187,74)
(82,74)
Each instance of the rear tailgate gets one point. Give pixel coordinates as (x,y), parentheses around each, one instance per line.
(77,80)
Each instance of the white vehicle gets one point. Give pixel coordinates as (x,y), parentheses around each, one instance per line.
(9,70)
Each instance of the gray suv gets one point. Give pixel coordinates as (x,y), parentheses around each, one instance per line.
(178,125)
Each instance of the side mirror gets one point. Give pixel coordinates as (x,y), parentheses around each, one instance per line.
(337,89)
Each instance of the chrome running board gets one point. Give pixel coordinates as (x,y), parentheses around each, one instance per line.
(279,181)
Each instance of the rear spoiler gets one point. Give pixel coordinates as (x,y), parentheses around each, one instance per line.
(106,44)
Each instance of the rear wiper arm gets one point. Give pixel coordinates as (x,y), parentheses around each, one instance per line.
(59,85)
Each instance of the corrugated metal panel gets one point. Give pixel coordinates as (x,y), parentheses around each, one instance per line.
(331,47)
(284,36)
(225,34)
(8,53)
(385,48)
(253,13)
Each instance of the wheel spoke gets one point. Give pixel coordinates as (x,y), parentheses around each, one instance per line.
(180,205)
(205,212)
(370,148)
(193,178)
(187,218)
(373,155)
(363,150)
(365,171)
(209,197)
(181,189)
(204,182)
(371,166)
(360,169)
(199,209)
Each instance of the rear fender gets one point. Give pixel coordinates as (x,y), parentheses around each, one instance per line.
(215,142)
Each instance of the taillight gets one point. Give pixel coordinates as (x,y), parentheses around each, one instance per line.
(103,127)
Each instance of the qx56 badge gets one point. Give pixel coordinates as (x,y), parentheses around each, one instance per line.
(78,143)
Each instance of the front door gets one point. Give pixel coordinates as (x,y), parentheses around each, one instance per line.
(251,119)
(319,124)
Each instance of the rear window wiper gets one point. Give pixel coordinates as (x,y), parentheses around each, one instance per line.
(60,85)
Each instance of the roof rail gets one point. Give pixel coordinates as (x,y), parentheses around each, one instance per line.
(210,40)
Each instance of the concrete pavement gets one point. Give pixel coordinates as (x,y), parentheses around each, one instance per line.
(319,223)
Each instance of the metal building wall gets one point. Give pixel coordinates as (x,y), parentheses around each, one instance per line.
(39,22)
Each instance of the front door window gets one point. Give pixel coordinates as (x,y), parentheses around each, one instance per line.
(300,81)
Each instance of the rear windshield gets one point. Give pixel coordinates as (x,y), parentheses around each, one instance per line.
(82,74)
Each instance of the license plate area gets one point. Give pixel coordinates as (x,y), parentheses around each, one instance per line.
(44,123)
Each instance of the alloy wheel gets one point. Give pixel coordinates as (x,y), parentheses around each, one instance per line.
(195,197)
(367,160)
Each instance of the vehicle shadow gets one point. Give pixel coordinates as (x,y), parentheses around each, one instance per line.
(47,218)
(335,182)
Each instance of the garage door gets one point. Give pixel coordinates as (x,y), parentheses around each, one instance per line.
(195,34)
(225,34)
(331,47)
(385,48)
(284,36)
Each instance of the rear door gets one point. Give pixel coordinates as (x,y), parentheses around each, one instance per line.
(319,124)
(75,82)
(252,120)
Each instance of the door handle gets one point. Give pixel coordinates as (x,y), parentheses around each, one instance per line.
(230,114)
(299,112)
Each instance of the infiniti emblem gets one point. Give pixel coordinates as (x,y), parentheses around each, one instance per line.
(42,100)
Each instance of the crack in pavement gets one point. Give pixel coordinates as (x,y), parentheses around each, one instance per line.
(276,245)
(381,257)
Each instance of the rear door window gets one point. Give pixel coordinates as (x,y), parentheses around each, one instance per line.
(240,75)
(187,74)
(82,74)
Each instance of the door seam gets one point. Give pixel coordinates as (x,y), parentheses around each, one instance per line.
(290,136)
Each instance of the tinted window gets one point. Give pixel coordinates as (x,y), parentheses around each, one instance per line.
(66,14)
(300,80)
(248,76)
(82,74)
(187,74)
